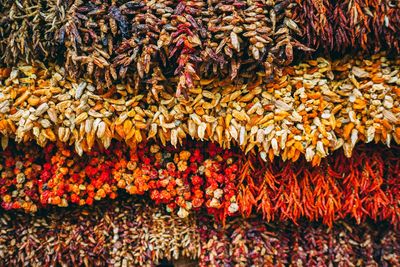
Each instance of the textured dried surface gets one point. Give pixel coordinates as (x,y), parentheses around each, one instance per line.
(389,248)
(200,175)
(313,109)
(339,26)
(117,234)
(126,233)
(342,245)
(105,39)
(125,86)
(244,243)
(251,242)
(30,30)
(108,39)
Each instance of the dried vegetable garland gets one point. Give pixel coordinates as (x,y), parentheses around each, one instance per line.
(31,29)
(125,233)
(313,109)
(243,147)
(117,234)
(244,243)
(107,39)
(252,242)
(341,245)
(340,26)
(203,176)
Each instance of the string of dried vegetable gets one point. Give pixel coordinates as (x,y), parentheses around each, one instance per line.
(341,245)
(342,26)
(105,40)
(202,176)
(31,30)
(109,38)
(302,245)
(120,233)
(129,231)
(389,248)
(313,109)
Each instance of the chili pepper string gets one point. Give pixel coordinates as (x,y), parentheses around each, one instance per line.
(204,176)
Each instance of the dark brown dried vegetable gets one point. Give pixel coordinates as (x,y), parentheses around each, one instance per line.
(31,30)
(340,26)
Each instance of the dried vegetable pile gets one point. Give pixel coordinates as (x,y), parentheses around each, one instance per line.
(127,232)
(230,132)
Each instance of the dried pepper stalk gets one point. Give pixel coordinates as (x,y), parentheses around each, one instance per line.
(202,176)
(312,109)
(340,187)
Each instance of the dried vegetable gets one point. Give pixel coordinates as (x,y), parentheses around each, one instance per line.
(244,243)
(313,109)
(121,233)
(129,231)
(252,242)
(340,26)
(140,132)
(31,30)
(389,248)
(203,176)
(341,245)
(106,40)
(181,179)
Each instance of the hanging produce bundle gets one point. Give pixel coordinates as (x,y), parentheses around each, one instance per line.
(343,26)
(106,40)
(256,243)
(206,133)
(313,109)
(122,232)
(131,232)
(201,176)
